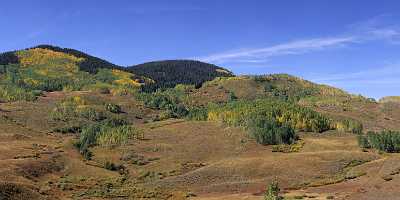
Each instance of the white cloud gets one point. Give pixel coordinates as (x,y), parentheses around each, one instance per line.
(379,28)
(289,48)
(385,33)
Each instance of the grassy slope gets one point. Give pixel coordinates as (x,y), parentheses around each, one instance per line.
(205,158)
(33,155)
(325,99)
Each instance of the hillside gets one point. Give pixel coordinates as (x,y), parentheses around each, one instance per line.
(282,86)
(390,99)
(88,63)
(169,73)
(176,159)
(322,98)
(27,73)
(97,131)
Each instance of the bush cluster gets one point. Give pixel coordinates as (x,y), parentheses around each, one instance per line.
(94,124)
(76,107)
(114,108)
(10,93)
(238,113)
(170,100)
(110,132)
(198,113)
(272,192)
(349,125)
(387,141)
(271,133)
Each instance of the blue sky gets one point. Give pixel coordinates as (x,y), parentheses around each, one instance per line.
(351,44)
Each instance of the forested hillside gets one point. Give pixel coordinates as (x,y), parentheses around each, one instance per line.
(25,74)
(169,73)
(88,63)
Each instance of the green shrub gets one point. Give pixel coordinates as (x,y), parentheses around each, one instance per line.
(63,112)
(349,125)
(269,121)
(88,137)
(166,114)
(232,96)
(170,100)
(198,113)
(114,122)
(68,108)
(268,132)
(363,142)
(272,192)
(238,113)
(87,154)
(10,93)
(288,148)
(114,136)
(113,108)
(109,132)
(91,114)
(388,141)
(76,108)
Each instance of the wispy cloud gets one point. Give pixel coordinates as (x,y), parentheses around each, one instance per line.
(377,28)
(389,70)
(382,77)
(381,27)
(289,48)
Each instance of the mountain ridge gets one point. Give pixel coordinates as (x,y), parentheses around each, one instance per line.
(179,71)
(169,73)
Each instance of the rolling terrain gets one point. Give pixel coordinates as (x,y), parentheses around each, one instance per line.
(73,126)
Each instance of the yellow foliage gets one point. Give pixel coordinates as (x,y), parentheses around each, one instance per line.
(76,100)
(212,116)
(340,127)
(47,61)
(124,78)
(127,82)
(220,80)
(31,81)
